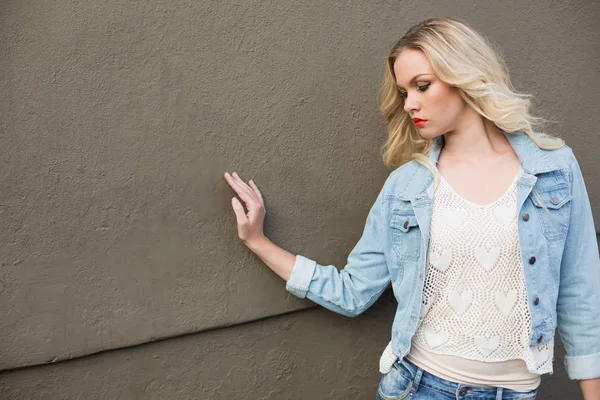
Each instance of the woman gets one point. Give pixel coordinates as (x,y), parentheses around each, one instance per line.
(485,233)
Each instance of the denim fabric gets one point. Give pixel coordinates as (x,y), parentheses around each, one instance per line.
(406,380)
(558,246)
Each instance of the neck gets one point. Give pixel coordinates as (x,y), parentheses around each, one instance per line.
(475,141)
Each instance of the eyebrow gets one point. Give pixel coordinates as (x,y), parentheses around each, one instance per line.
(414,78)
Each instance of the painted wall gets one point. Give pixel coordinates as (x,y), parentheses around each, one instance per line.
(117,122)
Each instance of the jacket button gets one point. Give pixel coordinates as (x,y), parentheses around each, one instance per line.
(463,391)
(525,217)
(406,224)
(554,200)
(536,301)
(532,260)
(539,339)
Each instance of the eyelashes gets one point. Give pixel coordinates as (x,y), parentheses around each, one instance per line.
(420,88)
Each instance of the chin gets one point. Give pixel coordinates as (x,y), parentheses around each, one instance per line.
(425,134)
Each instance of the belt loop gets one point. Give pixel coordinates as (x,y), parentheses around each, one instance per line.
(499,394)
(416,380)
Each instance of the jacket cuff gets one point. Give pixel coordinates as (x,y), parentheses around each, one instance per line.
(583,367)
(301,276)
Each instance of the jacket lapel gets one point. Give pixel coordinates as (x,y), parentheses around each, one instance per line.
(533,160)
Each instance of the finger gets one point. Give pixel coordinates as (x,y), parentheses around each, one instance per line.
(258,194)
(240,214)
(245,188)
(245,194)
(240,183)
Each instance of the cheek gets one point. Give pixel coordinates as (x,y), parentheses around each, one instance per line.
(444,99)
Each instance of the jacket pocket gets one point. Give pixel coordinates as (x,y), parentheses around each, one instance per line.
(553,207)
(406,235)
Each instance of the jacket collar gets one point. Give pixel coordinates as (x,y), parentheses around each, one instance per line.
(533,160)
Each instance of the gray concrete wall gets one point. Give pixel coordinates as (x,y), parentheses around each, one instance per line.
(117,121)
(307,355)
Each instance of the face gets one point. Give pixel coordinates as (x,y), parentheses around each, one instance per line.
(428,98)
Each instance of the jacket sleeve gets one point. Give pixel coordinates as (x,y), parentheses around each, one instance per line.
(578,306)
(360,283)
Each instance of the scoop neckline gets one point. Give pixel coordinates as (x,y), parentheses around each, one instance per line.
(502,196)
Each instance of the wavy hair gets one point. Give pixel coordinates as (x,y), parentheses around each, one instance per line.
(462,58)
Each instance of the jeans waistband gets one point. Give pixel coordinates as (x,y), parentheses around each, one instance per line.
(459,390)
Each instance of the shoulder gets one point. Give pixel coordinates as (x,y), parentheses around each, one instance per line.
(569,168)
(406,170)
(563,157)
(407,181)
(565,160)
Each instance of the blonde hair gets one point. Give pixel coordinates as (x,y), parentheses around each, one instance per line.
(462,58)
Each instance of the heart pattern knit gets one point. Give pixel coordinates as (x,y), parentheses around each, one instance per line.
(475,302)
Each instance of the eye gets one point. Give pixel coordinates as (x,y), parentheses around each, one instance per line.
(424,87)
(420,88)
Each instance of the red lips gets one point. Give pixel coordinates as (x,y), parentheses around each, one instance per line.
(419,122)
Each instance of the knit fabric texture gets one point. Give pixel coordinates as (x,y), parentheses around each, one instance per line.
(475,301)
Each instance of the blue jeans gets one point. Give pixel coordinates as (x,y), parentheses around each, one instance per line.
(406,380)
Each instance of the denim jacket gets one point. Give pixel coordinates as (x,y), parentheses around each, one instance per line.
(557,240)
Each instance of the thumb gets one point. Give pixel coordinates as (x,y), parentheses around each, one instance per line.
(240,214)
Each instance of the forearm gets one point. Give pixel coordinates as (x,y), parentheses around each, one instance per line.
(590,388)
(276,258)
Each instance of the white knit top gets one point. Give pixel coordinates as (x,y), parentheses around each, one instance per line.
(475,302)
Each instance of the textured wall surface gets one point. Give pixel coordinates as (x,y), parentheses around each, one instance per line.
(264,359)
(119,118)
(303,356)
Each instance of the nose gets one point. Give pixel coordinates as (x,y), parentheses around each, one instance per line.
(411,103)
